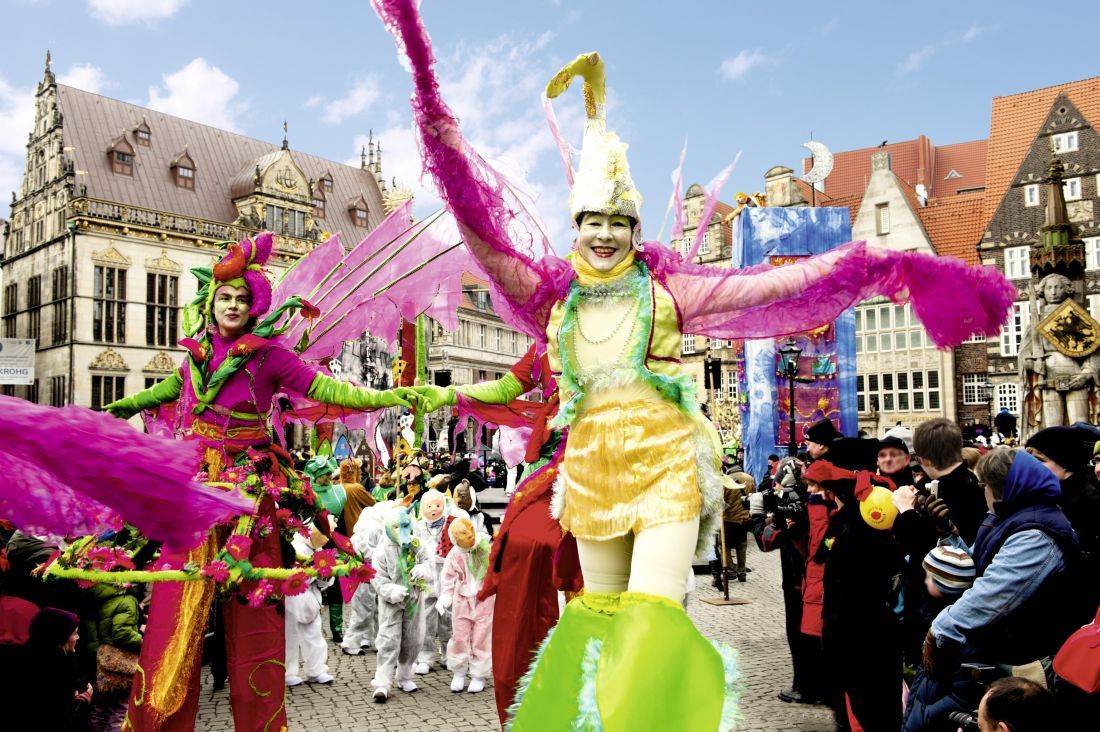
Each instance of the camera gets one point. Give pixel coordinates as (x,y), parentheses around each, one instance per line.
(964,721)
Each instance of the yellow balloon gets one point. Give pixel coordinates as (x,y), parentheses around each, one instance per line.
(878,509)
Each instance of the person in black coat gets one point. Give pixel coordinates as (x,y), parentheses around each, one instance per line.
(938,445)
(41,687)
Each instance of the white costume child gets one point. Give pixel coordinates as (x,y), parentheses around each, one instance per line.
(304,641)
(401,576)
(429,529)
(361,616)
(471,646)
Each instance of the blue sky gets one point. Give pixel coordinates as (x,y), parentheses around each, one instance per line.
(751,77)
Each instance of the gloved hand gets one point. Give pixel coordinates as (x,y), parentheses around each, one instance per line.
(941,517)
(431,398)
(331,391)
(397,594)
(443,604)
(167,390)
(421,572)
(938,658)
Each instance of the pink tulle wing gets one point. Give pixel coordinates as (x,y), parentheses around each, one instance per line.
(764,301)
(73,471)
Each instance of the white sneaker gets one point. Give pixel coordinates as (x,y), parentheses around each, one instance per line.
(407,686)
(381,694)
(351,651)
(476,685)
(321,679)
(365,644)
(458,682)
(421,668)
(293,680)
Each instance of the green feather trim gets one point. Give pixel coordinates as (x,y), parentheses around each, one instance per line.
(588,715)
(731,710)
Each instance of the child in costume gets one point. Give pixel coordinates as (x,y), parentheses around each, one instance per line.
(361,628)
(304,640)
(437,625)
(331,496)
(235,364)
(401,581)
(639,482)
(471,644)
(466,499)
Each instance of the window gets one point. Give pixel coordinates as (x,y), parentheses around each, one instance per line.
(882,219)
(106,389)
(109,306)
(34,308)
(1031,195)
(861,394)
(729,385)
(500,340)
(161,313)
(975,339)
(11,309)
(689,343)
(1008,397)
(513,342)
(318,208)
(59,331)
(185,177)
(361,217)
(1017,263)
(285,221)
(326,184)
(122,162)
(1013,331)
(933,390)
(974,389)
(704,248)
(481,333)
(1092,252)
(32,392)
(1072,188)
(1094,306)
(143,137)
(888,392)
(59,391)
(1063,143)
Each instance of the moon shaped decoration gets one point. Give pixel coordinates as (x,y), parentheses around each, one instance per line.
(823,162)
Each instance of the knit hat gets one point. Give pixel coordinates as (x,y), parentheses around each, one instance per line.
(320,465)
(1067,446)
(951,570)
(822,432)
(52,627)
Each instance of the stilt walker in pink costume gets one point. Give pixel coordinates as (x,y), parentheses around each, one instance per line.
(225,388)
(640,483)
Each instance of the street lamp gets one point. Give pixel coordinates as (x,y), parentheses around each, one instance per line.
(789,354)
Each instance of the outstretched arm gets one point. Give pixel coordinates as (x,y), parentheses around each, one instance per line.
(472,191)
(166,390)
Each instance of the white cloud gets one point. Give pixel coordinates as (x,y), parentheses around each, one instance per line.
(16,121)
(126,12)
(736,67)
(972,32)
(916,59)
(199,92)
(359,98)
(828,28)
(85,76)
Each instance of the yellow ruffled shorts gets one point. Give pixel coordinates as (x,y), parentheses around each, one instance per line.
(629,466)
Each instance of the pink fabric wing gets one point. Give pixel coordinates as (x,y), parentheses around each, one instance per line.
(713,190)
(72,472)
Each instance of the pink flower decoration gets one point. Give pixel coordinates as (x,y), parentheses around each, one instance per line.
(195,348)
(323,562)
(309,310)
(259,596)
(283,516)
(363,573)
(343,543)
(248,343)
(238,546)
(295,584)
(216,570)
(263,527)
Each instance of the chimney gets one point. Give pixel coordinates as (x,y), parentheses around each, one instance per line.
(880,161)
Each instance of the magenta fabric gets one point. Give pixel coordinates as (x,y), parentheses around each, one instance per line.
(709,204)
(75,472)
(717,302)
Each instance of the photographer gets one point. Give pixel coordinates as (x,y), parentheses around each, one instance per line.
(1016,705)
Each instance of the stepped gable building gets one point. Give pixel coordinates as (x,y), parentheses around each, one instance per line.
(1027,131)
(118,202)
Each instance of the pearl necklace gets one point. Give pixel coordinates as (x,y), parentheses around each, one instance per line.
(614,331)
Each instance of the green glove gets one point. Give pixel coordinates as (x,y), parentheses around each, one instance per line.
(501,391)
(330,391)
(434,397)
(166,390)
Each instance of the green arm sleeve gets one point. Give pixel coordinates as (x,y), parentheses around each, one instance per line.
(166,390)
(501,391)
(331,391)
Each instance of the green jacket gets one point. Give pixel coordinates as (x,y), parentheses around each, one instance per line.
(116,619)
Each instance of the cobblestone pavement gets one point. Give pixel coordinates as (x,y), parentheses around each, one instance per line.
(755,630)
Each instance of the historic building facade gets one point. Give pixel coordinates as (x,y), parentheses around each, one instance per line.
(117,203)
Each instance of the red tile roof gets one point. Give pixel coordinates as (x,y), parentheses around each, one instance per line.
(913,162)
(954,224)
(1015,122)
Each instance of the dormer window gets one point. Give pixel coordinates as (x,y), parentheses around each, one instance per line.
(183,170)
(361,217)
(143,135)
(318,207)
(358,211)
(121,153)
(326,183)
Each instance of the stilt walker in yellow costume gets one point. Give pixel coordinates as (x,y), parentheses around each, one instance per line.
(640,485)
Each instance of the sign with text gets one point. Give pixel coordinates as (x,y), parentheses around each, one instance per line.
(17,361)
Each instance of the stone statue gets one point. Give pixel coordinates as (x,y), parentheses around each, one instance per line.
(1059,366)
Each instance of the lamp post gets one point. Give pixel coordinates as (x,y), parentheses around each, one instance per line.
(789,354)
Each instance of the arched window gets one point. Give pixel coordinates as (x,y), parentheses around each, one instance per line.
(1008,397)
